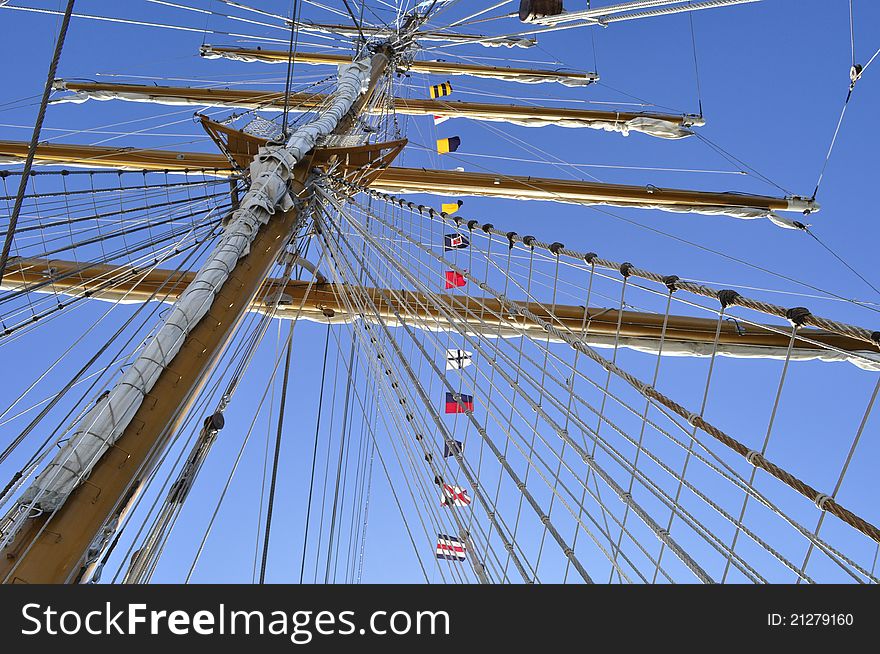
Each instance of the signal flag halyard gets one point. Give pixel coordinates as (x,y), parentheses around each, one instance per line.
(450,548)
(448,145)
(455,242)
(458,359)
(454,496)
(441,90)
(451,207)
(454,279)
(459,406)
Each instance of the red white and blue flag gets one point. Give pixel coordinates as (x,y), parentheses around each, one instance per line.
(455,241)
(454,496)
(465,402)
(450,548)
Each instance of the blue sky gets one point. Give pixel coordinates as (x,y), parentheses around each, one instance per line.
(773,77)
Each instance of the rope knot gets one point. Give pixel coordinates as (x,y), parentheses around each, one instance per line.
(511,239)
(555,247)
(854,74)
(751,456)
(798,315)
(821,500)
(590,258)
(471,224)
(692,419)
(488,227)
(530,241)
(671,282)
(626,269)
(727,298)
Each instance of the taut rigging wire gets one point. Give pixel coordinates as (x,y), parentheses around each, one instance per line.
(35,138)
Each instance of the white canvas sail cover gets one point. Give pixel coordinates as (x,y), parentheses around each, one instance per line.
(79,96)
(864,359)
(650,125)
(733,211)
(514,75)
(270,173)
(657,127)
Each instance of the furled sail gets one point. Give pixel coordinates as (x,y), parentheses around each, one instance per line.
(445,182)
(667,126)
(684,336)
(522,75)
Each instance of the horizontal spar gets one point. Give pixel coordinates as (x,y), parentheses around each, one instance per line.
(441,182)
(93,156)
(685,335)
(421,35)
(654,124)
(632,10)
(518,187)
(523,75)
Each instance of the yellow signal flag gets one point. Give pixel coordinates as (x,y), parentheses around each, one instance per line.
(451,208)
(448,145)
(440,90)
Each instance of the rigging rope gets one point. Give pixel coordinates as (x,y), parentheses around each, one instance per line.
(756,459)
(271,503)
(315,453)
(35,138)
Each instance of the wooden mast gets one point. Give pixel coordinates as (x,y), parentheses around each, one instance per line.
(54,548)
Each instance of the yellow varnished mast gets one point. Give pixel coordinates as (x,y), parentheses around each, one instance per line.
(57,546)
